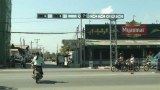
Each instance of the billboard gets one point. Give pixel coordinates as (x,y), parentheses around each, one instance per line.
(143,31)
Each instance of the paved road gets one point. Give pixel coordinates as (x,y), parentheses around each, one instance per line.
(78,79)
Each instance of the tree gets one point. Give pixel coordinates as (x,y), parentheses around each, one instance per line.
(53,56)
(46,55)
(64,49)
(49,56)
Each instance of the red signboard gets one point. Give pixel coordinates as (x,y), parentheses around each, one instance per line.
(132,30)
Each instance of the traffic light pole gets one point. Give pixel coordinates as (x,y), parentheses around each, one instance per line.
(81,42)
(113,29)
(113,41)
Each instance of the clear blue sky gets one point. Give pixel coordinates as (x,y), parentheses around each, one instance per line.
(24,17)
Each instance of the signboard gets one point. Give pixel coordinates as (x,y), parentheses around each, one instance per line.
(144,31)
(97,31)
(133,30)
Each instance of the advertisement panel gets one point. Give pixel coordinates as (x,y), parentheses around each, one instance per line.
(134,30)
(144,31)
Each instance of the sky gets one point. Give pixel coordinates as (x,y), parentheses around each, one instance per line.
(24,18)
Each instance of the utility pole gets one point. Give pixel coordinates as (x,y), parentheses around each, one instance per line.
(111,17)
(81,47)
(43,49)
(57,48)
(37,42)
(84,53)
(31,44)
(77,44)
(20,42)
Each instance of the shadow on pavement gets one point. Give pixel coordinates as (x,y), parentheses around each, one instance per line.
(50,82)
(7,88)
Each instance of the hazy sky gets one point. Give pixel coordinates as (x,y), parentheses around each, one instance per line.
(24,17)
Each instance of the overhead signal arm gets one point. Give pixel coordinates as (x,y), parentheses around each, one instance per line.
(113,30)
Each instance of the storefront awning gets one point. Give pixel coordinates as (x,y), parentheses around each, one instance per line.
(124,43)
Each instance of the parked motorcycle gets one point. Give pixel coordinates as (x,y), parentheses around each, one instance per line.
(149,66)
(126,66)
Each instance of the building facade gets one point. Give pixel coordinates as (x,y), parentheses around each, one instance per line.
(5,28)
(132,38)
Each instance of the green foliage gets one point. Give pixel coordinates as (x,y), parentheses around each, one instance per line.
(49,56)
(64,49)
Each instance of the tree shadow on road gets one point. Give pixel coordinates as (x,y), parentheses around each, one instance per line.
(7,88)
(50,82)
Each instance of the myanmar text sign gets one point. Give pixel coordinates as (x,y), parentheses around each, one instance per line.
(134,30)
(144,31)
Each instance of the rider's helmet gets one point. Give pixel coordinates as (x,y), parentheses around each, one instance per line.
(120,54)
(132,55)
(37,53)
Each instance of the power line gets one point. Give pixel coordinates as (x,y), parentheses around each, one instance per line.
(42,32)
(32,21)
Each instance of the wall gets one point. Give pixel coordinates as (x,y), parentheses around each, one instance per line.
(5,27)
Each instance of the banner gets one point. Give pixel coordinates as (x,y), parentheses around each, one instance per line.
(144,31)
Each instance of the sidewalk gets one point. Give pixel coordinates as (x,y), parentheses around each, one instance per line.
(100,67)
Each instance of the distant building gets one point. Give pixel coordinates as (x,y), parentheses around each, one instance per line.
(5,28)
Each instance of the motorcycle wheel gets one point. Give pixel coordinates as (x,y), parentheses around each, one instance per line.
(146,67)
(137,68)
(37,78)
(113,69)
(124,69)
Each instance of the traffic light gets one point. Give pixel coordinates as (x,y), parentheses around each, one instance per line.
(83,15)
(41,16)
(57,16)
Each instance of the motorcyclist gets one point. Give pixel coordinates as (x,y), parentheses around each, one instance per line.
(131,61)
(121,60)
(37,62)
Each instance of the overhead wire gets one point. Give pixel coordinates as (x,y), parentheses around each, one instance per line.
(42,32)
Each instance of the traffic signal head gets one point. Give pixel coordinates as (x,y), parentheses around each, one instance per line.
(57,16)
(41,16)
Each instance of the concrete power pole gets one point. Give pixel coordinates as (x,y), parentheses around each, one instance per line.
(37,42)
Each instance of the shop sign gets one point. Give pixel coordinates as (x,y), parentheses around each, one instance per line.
(134,30)
(143,31)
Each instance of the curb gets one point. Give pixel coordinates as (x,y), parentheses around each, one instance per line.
(100,67)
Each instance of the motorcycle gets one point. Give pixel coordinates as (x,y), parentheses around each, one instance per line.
(126,66)
(37,75)
(149,65)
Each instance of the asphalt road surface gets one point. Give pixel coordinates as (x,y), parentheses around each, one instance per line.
(78,79)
